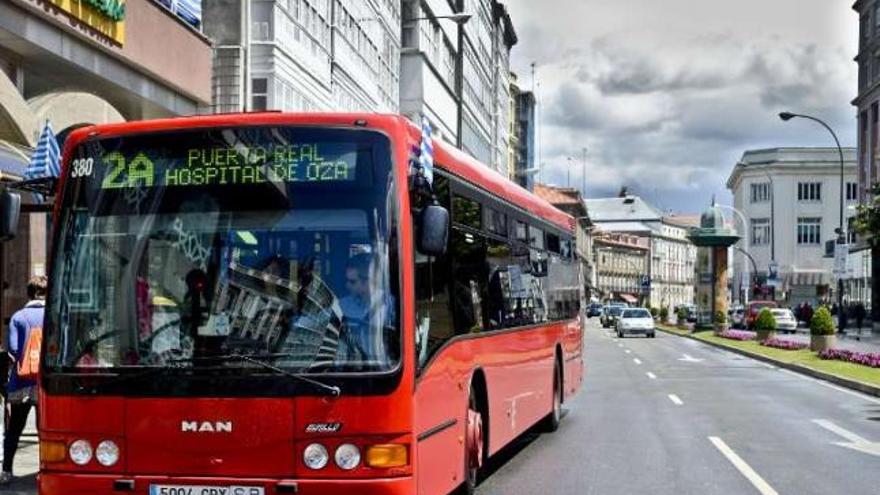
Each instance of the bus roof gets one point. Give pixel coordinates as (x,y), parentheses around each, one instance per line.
(446,156)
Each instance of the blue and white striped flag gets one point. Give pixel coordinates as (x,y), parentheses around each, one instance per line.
(426,159)
(46,160)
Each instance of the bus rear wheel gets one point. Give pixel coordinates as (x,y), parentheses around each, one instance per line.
(473,446)
(552,420)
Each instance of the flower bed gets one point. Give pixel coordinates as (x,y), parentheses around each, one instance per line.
(871,359)
(737,335)
(788,345)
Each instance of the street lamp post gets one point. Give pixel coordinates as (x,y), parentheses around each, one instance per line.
(841,230)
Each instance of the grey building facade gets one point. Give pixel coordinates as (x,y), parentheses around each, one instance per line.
(304,55)
(868,152)
(523,128)
(458,75)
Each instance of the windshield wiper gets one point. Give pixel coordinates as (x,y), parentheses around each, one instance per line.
(331,389)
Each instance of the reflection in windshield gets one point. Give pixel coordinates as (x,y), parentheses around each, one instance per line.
(303,280)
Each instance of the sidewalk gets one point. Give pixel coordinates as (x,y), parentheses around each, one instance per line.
(862,340)
(27,462)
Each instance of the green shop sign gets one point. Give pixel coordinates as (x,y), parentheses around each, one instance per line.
(114,9)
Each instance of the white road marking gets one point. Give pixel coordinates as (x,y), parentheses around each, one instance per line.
(690,359)
(757,481)
(675,400)
(637,360)
(854,393)
(619,345)
(627,351)
(652,376)
(854,441)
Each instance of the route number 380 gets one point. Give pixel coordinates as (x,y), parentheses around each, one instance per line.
(82,167)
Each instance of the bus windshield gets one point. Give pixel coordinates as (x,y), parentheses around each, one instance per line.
(196,247)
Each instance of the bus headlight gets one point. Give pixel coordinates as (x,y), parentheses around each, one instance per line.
(315,456)
(80,452)
(347,456)
(107,453)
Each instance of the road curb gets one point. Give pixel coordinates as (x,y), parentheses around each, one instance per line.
(804,370)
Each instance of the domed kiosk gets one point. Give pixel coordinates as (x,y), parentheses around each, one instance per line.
(712,238)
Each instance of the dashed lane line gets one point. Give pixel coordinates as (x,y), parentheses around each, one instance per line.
(754,478)
(675,400)
(637,360)
(652,376)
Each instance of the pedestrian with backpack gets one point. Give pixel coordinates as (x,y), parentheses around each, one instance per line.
(23,346)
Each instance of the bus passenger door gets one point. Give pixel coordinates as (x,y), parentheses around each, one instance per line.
(439,400)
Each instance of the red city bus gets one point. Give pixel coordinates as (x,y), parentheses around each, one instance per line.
(273,303)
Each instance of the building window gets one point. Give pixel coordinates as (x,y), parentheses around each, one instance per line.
(876,19)
(852,191)
(809,191)
(760,192)
(259,93)
(760,231)
(851,234)
(809,231)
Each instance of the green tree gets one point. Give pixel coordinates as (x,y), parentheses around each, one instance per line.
(664,314)
(822,323)
(866,222)
(765,321)
(720,318)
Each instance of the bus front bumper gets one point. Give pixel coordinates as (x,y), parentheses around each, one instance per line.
(102,484)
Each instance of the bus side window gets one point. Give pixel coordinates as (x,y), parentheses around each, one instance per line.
(469,280)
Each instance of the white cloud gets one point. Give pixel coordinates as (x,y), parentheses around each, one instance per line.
(667,95)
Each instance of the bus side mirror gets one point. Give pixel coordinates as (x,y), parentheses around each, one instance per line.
(433,230)
(10,209)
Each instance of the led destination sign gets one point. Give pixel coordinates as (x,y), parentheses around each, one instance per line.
(217,166)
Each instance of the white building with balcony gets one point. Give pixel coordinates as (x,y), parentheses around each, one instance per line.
(305,55)
(470,109)
(790,198)
(672,256)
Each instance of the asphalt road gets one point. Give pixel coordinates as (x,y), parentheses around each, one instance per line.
(673,416)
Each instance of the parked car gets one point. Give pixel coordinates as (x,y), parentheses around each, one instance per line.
(785,320)
(610,316)
(594,309)
(738,317)
(619,304)
(691,313)
(755,307)
(635,321)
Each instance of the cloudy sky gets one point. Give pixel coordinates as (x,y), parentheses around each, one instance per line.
(667,94)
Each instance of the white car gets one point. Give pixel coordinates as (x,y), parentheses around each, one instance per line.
(635,320)
(785,320)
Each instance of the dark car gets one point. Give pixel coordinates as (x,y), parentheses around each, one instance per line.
(610,315)
(594,309)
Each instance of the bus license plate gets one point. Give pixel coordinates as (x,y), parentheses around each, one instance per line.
(205,490)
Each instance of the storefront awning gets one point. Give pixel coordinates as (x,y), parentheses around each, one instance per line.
(628,298)
(807,278)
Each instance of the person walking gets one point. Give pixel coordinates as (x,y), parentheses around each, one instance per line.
(23,346)
(859,313)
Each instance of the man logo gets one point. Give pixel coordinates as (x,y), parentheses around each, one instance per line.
(206,426)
